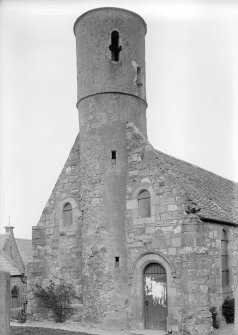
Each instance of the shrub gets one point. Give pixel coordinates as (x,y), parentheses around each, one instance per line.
(215,317)
(58,298)
(22,315)
(228,309)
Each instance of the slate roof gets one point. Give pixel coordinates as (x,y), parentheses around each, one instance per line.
(6,264)
(216,196)
(25,249)
(3,239)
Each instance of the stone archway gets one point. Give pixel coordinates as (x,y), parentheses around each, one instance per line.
(136,306)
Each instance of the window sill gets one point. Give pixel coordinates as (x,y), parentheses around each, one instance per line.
(227,289)
(115,62)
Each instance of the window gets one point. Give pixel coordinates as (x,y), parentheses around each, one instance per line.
(117,262)
(144,204)
(67,214)
(14,292)
(138,76)
(114,157)
(114,47)
(224,258)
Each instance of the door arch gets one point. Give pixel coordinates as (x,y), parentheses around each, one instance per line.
(155,297)
(136,302)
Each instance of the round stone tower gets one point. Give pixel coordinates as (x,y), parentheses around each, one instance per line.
(111,91)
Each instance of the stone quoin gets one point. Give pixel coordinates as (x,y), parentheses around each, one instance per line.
(147,240)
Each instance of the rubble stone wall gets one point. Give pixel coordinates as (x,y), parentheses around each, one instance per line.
(57,248)
(189,248)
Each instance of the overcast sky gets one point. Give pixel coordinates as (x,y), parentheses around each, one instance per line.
(192,91)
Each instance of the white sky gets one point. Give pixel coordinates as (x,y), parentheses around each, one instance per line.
(192,91)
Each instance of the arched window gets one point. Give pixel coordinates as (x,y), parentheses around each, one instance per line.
(15,292)
(224,258)
(67,213)
(114,47)
(144,204)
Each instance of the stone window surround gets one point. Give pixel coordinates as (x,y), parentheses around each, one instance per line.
(143,205)
(133,204)
(229,288)
(137,288)
(75,213)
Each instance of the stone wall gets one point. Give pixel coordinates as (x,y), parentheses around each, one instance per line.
(188,248)
(5,303)
(57,251)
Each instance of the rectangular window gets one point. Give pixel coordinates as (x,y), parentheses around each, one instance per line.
(116,262)
(114,157)
(114,154)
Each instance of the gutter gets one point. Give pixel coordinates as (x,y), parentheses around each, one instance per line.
(203,218)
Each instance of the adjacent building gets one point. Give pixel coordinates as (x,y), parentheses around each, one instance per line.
(15,253)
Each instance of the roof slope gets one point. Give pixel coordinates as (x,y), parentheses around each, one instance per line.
(25,249)
(216,196)
(3,239)
(6,264)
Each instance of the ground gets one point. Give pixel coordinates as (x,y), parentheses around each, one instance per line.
(74,328)
(41,331)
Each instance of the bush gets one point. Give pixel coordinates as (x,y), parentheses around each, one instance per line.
(22,315)
(228,309)
(215,317)
(58,298)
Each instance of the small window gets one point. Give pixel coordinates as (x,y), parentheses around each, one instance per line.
(113,154)
(114,47)
(114,157)
(117,261)
(15,292)
(224,258)
(144,204)
(67,214)
(139,76)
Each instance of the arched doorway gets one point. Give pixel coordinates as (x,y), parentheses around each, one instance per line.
(155,297)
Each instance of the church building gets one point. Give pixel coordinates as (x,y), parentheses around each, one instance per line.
(147,240)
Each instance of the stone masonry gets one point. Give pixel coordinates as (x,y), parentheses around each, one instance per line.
(5,303)
(108,246)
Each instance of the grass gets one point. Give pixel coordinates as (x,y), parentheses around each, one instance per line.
(42,331)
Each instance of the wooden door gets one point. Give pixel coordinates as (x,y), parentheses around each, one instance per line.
(155,297)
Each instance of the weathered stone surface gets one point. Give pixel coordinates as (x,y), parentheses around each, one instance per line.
(5,303)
